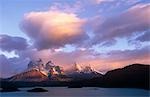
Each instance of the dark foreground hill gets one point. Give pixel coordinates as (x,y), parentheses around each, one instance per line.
(132,76)
(136,76)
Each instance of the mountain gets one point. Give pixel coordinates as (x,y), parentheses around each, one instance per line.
(132,76)
(47,69)
(81,73)
(31,75)
(135,75)
(37,72)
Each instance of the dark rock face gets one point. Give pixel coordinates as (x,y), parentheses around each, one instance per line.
(38,90)
(134,76)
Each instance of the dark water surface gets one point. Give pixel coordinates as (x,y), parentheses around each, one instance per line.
(80,92)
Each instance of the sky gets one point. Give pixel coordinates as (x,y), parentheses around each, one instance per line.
(107,34)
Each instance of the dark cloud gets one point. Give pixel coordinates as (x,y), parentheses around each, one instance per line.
(9,43)
(134,20)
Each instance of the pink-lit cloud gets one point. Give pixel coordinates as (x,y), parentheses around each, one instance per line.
(103,62)
(130,22)
(52,29)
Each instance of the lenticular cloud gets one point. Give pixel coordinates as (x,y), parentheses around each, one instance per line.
(51,29)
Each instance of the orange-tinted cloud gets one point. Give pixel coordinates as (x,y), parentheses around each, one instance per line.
(53,28)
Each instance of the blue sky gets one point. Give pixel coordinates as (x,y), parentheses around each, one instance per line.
(52,29)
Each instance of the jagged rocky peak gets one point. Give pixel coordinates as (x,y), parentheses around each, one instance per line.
(80,72)
(77,67)
(38,71)
(88,69)
(47,69)
(34,64)
(49,65)
(85,69)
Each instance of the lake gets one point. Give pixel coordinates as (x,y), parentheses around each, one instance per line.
(80,92)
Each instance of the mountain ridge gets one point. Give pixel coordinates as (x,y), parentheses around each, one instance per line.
(132,76)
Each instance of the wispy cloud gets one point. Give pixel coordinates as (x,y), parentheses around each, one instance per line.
(133,20)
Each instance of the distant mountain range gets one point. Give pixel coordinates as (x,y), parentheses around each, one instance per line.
(132,76)
(37,71)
